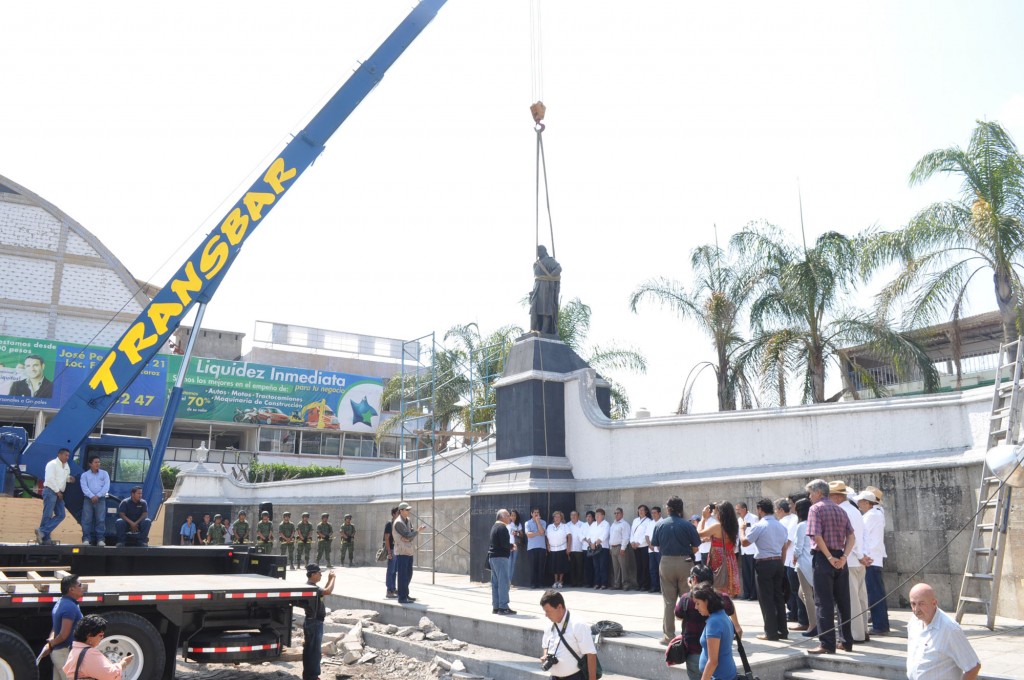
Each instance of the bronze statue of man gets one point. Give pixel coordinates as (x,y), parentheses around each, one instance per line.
(544,296)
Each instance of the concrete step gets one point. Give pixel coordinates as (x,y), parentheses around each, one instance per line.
(812,674)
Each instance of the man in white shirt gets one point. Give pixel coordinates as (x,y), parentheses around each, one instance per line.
(55,481)
(795,611)
(577,546)
(937,648)
(599,535)
(640,543)
(874,560)
(840,494)
(622,556)
(578,641)
(654,553)
(747,519)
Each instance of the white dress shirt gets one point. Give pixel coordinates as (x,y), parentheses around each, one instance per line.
(578,531)
(748,520)
(790,522)
(705,545)
(638,531)
(857,522)
(648,532)
(619,534)
(599,531)
(874,536)
(938,651)
(558,536)
(56,476)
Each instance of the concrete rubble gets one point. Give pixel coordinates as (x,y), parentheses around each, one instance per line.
(349,647)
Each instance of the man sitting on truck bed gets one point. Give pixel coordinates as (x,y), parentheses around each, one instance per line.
(133,519)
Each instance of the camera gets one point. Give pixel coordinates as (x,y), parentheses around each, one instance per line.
(711,506)
(547,662)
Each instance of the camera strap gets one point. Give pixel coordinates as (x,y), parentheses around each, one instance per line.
(562,637)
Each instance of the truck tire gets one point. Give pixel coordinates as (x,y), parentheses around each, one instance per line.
(17,662)
(129,633)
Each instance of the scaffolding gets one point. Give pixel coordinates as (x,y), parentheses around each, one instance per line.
(447,403)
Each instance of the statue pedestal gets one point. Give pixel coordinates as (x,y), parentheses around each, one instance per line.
(530,468)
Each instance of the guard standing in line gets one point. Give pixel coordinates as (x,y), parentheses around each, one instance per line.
(240,529)
(286,533)
(264,533)
(304,530)
(215,534)
(348,540)
(324,538)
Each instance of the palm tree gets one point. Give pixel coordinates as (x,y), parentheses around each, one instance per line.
(719,292)
(486,357)
(798,318)
(573,328)
(947,244)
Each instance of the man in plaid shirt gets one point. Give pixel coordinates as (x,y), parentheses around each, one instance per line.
(832,539)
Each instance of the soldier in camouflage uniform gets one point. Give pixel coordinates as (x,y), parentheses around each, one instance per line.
(324,538)
(215,534)
(240,529)
(304,529)
(285,532)
(265,533)
(348,540)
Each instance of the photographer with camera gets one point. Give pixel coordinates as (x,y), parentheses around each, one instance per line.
(569,650)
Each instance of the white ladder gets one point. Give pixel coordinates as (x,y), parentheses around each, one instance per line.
(980,586)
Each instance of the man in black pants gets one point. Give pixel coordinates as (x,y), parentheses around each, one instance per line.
(747,520)
(772,541)
(536,547)
(828,528)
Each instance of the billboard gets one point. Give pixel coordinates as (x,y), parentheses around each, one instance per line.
(44,373)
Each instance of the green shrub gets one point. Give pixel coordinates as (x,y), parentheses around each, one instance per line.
(268,472)
(168,476)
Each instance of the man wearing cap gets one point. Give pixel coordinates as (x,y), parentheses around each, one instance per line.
(405,548)
(304,532)
(313,625)
(832,539)
(841,495)
(264,533)
(286,534)
(348,540)
(324,538)
(215,534)
(874,558)
(240,529)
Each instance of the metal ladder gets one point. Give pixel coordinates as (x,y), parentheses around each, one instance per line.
(985,560)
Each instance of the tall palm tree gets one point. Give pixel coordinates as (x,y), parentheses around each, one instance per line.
(799,319)
(947,244)
(719,292)
(573,329)
(486,357)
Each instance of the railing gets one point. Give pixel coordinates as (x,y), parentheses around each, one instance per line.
(213,456)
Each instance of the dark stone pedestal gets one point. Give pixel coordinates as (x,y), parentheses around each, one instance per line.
(530,469)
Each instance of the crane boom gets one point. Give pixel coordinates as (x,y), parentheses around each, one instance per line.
(198,278)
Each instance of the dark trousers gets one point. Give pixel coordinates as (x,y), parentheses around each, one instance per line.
(601,564)
(770,576)
(653,565)
(403,573)
(831,590)
(876,600)
(794,596)
(391,574)
(643,576)
(747,573)
(537,558)
(588,569)
(576,568)
(313,636)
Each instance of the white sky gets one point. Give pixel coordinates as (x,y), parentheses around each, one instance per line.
(145,122)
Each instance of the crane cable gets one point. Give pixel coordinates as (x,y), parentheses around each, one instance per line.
(537,110)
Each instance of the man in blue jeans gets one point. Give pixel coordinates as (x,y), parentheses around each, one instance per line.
(95,486)
(498,550)
(133,519)
(313,625)
(55,480)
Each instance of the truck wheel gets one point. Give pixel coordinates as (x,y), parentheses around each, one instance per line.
(16,658)
(129,633)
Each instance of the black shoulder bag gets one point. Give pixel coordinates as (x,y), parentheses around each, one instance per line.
(81,658)
(581,661)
